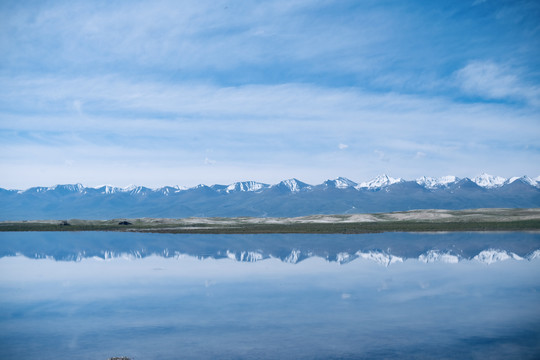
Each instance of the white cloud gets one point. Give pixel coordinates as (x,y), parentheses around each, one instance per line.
(208,161)
(191,35)
(120,86)
(265,132)
(493,81)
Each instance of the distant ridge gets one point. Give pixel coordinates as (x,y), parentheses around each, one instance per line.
(290,197)
(295,185)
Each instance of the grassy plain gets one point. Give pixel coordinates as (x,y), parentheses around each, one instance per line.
(407,221)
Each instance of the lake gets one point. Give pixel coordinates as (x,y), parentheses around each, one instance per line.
(95,295)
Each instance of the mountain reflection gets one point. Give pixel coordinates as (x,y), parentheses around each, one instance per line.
(170,296)
(384,248)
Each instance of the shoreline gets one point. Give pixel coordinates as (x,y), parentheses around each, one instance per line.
(406,221)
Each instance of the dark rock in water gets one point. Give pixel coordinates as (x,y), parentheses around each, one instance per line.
(124,223)
(120,358)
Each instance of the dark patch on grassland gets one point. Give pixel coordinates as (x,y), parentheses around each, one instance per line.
(280,228)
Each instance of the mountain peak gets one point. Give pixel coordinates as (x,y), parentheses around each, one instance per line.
(289,198)
(489,181)
(436,183)
(106,189)
(525,179)
(67,187)
(293,185)
(129,188)
(245,186)
(340,183)
(379,182)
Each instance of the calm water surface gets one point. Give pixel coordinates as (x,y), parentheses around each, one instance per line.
(162,296)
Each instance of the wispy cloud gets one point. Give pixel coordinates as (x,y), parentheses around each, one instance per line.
(492,81)
(294,125)
(100,90)
(332,42)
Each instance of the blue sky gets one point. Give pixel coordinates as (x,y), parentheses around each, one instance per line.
(186,92)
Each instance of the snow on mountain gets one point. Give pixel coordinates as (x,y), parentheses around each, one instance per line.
(534,255)
(436,183)
(293,257)
(245,256)
(489,181)
(525,179)
(110,189)
(202,186)
(68,188)
(379,182)
(344,257)
(37,189)
(293,185)
(250,256)
(340,183)
(128,188)
(491,256)
(437,256)
(379,257)
(137,190)
(245,186)
(166,190)
(107,189)
(111,255)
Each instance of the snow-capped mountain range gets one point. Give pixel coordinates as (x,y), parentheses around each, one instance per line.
(489,256)
(289,197)
(293,185)
(385,248)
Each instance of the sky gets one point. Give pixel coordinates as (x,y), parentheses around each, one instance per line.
(161,93)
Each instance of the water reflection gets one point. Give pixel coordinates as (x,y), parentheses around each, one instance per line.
(203,304)
(385,248)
